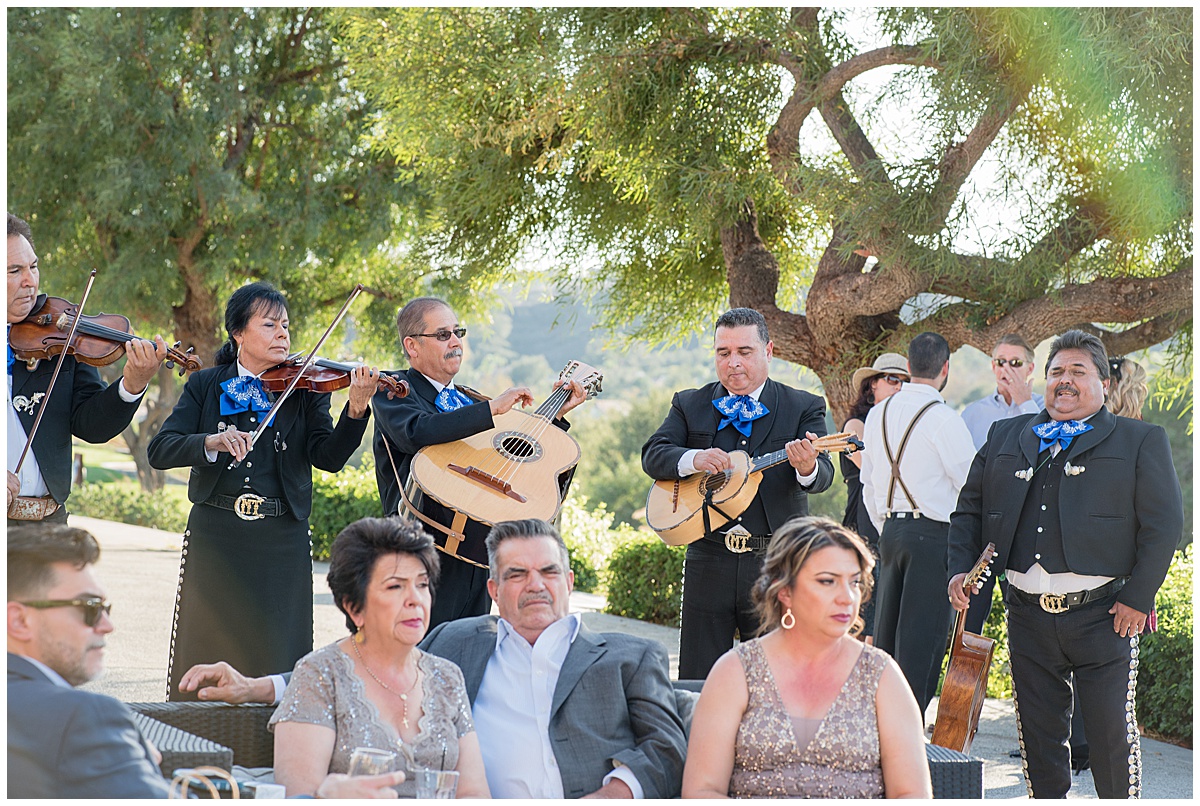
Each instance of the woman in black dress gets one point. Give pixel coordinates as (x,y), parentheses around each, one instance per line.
(245,581)
(875,384)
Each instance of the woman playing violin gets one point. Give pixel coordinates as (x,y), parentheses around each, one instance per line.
(81,404)
(245,582)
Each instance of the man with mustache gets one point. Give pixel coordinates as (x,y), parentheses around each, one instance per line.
(1085,510)
(81,404)
(917,455)
(437,411)
(67,743)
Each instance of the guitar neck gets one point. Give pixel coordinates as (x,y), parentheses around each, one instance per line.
(769,460)
(554,403)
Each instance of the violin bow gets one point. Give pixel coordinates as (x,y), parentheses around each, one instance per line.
(37,421)
(312,356)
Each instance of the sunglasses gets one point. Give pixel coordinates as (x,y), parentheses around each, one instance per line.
(1012,362)
(92,607)
(443,335)
(894,380)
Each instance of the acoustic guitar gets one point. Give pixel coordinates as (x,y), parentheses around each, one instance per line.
(675,508)
(965,685)
(512,471)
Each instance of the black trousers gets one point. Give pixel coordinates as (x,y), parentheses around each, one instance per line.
(716,604)
(461,591)
(981,603)
(1045,649)
(912,614)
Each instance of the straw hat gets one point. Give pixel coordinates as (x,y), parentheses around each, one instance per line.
(886,364)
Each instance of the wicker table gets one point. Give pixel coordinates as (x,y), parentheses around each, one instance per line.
(182,749)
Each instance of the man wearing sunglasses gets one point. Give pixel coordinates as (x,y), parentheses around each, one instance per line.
(67,743)
(438,411)
(1012,364)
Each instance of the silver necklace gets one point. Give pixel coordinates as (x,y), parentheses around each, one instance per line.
(403,697)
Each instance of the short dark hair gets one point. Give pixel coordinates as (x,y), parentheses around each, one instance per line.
(1078,340)
(928,352)
(410,320)
(744,317)
(357,549)
(1016,340)
(243,304)
(530,527)
(18,226)
(33,548)
(790,547)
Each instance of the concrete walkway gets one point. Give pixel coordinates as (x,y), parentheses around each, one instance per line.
(140,567)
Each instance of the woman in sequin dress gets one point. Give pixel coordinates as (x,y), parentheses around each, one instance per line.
(807,710)
(375,688)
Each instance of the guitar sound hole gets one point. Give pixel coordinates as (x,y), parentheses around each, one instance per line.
(714,483)
(517,447)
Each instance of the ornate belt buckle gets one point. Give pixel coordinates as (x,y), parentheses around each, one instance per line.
(737,540)
(246,505)
(1054,602)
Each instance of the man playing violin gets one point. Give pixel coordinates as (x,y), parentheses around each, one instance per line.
(81,404)
(743,410)
(439,411)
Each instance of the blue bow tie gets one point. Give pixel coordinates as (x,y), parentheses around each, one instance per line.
(740,410)
(1061,432)
(244,393)
(450,399)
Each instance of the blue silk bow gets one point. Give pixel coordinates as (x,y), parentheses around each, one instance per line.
(450,399)
(740,411)
(1061,432)
(244,393)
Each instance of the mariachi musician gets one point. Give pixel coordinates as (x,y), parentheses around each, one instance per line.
(440,411)
(82,405)
(245,580)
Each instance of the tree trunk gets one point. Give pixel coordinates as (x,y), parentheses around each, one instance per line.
(198,321)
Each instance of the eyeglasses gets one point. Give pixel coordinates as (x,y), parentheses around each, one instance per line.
(443,335)
(92,607)
(894,380)
(1013,362)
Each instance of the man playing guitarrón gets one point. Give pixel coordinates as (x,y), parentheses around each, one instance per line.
(439,411)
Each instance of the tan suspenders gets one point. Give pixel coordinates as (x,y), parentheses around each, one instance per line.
(895,460)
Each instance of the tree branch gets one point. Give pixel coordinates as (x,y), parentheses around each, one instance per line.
(1147,334)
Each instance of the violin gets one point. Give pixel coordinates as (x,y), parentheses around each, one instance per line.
(99,339)
(323,376)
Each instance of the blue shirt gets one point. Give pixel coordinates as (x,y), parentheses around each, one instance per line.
(980,415)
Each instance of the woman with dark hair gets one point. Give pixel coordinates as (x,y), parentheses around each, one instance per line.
(806,710)
(245,580)
(875,384)
(375,688)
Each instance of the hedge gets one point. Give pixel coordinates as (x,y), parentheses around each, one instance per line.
(127,502)
(645,580)
(1164,695)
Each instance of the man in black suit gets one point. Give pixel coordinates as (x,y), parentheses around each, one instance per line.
(81,405)
(67,743)
(743,410)
(1085,511)
(438,411)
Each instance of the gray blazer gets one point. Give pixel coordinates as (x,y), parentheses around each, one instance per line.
(590,732)
(67,743)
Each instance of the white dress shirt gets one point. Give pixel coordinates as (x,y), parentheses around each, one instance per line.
(980,415)
(32,483)
(512,713)
(935,462)
(1038,580)
(686,468)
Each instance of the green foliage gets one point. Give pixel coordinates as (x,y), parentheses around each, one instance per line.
(645,580)
(339,499)
(1164,696)
(127,502)
(1174,415)
(590,540)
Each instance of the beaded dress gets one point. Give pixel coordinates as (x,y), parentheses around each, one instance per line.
(325,690)
(841,760)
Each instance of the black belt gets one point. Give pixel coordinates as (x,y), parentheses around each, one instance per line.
(249,506)
(1062,602)
(740,543)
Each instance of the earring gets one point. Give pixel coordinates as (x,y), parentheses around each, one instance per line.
(788,621)
(358,636)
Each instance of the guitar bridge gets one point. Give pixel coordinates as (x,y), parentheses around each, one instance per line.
(488,480)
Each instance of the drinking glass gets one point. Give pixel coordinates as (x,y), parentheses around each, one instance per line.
(437,784)
(369,761)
